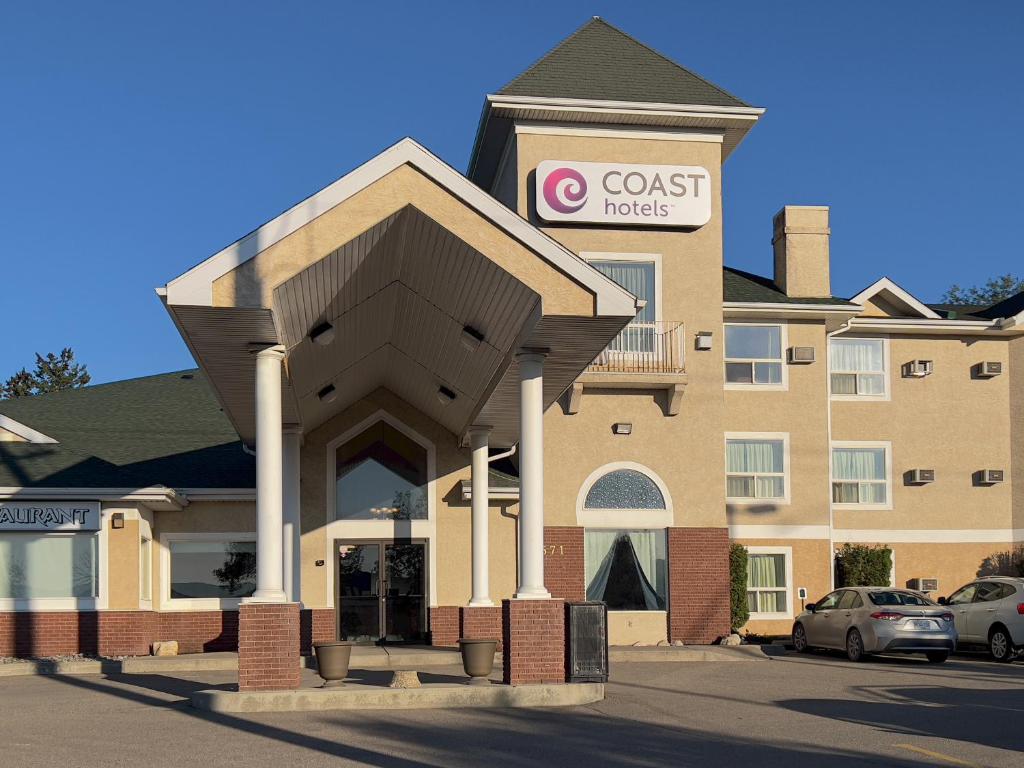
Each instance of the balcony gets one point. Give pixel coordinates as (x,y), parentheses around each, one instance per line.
(643,348)
(644,356)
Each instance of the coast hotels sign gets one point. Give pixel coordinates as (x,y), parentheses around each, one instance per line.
(50,516)
(617,193)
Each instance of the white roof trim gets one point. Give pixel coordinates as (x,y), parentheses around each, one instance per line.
(885,285)
(195,287)
(156,494)
(758,306)
(25,432)
(499,100)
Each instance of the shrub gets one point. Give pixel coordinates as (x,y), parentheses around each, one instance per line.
(738,585)
(863,565)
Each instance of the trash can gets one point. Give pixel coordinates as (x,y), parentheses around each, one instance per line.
(586,642)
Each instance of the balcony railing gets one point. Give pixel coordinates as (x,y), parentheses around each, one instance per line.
(643,348)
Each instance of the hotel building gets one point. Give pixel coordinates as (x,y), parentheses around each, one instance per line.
(431,405)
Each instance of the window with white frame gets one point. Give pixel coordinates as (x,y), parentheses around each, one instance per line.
(211,568)
(857,367)
(860,475)
(755,468)
(637,277)
(49,565)
(753,354)
(768,577)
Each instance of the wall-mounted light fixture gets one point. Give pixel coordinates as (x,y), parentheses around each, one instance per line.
(322,335)
(445,395)
(703,340)
(471,338)
(328,394)
(117,520)
(622,428)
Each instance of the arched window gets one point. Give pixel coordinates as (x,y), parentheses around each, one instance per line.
(624,489)
(381,475)
(625,510)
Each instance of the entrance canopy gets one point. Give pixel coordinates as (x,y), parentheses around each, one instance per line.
(402,275)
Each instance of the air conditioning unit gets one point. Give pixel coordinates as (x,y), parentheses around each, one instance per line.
(924,585)
(917,369)
(922,476)
(988,369)
(990,476)
(801,354)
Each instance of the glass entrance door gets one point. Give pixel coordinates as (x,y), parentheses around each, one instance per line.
(381,591)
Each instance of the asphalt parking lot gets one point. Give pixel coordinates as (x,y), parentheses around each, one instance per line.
(791,710)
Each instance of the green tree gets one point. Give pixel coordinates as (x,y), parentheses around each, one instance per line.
(993,291)
(52,374)
(740,610)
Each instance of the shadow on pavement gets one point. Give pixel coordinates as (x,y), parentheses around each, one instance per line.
(508,737)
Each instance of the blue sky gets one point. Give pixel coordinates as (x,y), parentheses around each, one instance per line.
(136,139)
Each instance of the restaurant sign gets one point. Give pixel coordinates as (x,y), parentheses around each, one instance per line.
(618,193)
(49,516)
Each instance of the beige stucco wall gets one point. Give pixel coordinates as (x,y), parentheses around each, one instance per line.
(252,283)
(637,627)
(949,422)
(1016,382)
(800,242)
(123,563)
(6,436)
(676,448)
(801,412)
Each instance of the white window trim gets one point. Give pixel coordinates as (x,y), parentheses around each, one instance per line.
(167,603)
(743,501)
(787,553)
(783,346)
(887,445)
(352,530)
(146,532)
(886,395)
(625,519)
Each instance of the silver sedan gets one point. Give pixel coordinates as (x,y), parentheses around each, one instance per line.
(863,620)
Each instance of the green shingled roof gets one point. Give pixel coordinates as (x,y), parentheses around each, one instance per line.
(159,430)
(738,285)
(601,62)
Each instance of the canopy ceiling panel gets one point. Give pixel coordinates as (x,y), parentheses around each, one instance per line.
(410,286)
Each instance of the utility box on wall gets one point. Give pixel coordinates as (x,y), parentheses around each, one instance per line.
(586,642)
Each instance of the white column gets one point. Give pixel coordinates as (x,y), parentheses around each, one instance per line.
(478,437)
(291,515)
(269,488)
(531,476)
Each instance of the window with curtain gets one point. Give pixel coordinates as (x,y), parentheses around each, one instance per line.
(755,468)
(626,569)
(637,277)
(624,489)
(859,476)
(48,565)
(753,354)
(766,583)
(857,367)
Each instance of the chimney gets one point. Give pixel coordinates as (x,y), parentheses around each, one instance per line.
(800,240)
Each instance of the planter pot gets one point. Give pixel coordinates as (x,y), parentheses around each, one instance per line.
(478,659)
(332,661)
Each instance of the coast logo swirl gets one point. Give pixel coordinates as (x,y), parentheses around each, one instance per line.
(565,190)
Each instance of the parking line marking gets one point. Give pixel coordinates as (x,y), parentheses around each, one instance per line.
(936,755)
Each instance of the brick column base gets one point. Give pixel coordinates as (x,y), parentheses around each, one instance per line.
(564,571)
(480,623)
(533,641)
(268,647)
(698,584)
